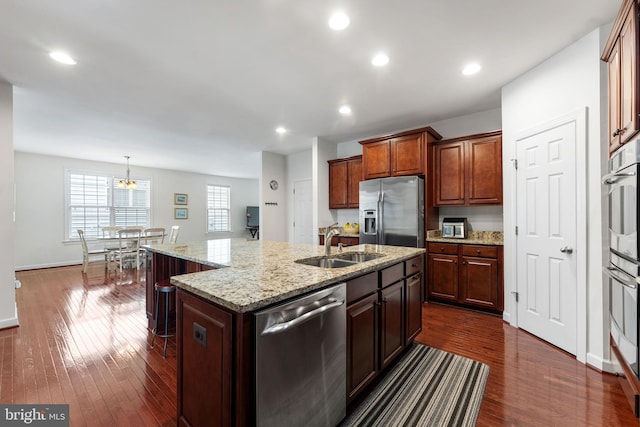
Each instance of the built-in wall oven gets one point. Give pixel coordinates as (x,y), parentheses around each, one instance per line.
(623,270)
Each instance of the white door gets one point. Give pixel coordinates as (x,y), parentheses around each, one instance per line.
(546,235)
(302,212)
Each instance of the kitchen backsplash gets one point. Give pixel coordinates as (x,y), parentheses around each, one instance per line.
(479,218)
(347,215)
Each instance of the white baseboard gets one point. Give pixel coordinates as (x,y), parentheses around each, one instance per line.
(506,317)
(604,365)
(48,265)
(11,321)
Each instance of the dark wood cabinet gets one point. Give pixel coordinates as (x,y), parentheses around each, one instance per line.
(470,275)
(392,322)
(160,268)
(468,170)
(621,54)
(443,276)
(362,344)
(344,182)
(413,294)
(204,363)
(345,240)
(384,315)
(397,154)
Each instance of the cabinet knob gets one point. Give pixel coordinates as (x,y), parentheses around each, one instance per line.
(441,249)
(478,251)
(464,262)
(616,133)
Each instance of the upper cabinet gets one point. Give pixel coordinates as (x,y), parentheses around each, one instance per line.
(397,154)
(468,170)
(344,182)
(621,55)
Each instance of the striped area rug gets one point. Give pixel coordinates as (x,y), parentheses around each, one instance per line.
(428,387)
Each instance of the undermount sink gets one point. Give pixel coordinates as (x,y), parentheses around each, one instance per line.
(358,256)
(339,260)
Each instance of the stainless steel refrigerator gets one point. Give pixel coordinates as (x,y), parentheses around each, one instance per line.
(392,211)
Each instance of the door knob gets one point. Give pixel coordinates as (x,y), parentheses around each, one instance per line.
(566,250)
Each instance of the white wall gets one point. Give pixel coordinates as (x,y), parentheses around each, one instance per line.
(566,82)
(8,309)
(40,239)
(273,203)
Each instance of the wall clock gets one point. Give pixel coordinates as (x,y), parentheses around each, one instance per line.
(273,184)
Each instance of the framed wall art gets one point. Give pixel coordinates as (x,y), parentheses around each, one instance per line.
(180,213)
(180,199)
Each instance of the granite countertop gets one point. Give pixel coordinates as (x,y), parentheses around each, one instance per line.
(252,274)
(473,238)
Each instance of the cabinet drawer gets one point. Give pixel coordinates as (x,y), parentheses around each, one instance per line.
(443,248)
(391,274)
(361,286)
(414,265)
(480,250)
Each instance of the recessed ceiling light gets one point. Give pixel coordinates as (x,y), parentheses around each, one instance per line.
(339,21)
(380,60)
(62,57)
(345,110)
(471,69)
(281,130)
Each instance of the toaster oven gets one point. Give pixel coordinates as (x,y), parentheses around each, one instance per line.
(454,228)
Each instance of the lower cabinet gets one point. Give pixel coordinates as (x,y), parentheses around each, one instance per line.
(204,361)
(345,240)
(384,315)
(362,343)
(470,275)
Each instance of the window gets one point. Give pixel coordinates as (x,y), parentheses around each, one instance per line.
(218,208)
(94,201)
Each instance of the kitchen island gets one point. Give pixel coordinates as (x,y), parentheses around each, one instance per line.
(227,280)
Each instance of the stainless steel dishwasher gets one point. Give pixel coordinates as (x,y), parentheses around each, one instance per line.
(301,361)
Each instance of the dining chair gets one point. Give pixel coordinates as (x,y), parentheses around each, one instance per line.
(110,232)
(129,247)
(153,235)
(86,253)
(173,237)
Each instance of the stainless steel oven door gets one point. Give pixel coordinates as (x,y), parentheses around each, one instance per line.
(623,311)
(623,206)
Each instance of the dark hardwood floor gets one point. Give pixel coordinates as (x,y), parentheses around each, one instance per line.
(83,340)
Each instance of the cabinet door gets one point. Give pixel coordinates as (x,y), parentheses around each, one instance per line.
(204,365)
(413,307)
(407,155)
(479,282)
(443,276)
(338,185)
(392,322)
(484,171)
(349,241)
(628,77)
(449,174)
(354,174)
(614,98)
(362,344)
(376,160)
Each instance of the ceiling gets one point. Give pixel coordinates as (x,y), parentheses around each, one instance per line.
(201,85)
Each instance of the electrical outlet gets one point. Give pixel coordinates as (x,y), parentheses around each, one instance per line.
(200,334)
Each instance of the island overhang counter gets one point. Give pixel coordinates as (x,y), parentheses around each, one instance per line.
(221,283)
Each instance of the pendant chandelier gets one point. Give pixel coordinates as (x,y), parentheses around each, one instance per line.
(128,183)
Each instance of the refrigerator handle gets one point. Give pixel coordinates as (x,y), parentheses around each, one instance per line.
(380,220)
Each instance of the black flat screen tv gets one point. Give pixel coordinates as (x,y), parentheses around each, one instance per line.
(253,216)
